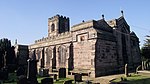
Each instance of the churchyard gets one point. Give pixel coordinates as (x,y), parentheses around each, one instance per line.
(132,78)
(20,76)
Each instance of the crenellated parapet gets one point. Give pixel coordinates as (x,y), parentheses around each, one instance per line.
(58,16)
(52,38)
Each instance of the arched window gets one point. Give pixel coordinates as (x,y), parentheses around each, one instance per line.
(38,54)
(62,56)
(52,27)
(48,56)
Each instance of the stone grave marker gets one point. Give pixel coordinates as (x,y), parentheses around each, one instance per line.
(32,71)
(44,72)
(126,70)
(78,77)
(62,73)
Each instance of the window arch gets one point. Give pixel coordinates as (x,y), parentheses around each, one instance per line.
(62,55)
(48,56)
(52,27)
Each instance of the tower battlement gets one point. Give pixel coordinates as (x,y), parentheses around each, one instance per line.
(58,24)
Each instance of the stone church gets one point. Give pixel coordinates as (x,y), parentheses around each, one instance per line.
(96,47)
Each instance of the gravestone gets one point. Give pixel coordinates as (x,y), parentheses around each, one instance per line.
(32,71)
(44,72)
(137,69)
(47,81)
(22,80)
(55,76)
(62,73)
(78,77)
(20,71)
(126,70)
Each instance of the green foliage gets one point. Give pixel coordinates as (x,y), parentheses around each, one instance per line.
(147,41)
(5,44)
(145,51)
(7,54)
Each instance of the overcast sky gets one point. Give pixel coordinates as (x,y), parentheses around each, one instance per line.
(26,20)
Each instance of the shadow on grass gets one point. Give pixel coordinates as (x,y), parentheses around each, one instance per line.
(58,81)
(12,79)
(62,80)
(139,81)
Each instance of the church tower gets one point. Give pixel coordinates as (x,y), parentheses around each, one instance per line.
(58,24)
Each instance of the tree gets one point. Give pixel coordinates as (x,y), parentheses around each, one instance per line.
(4,46)
(147,41)
(7,53)
(145,51)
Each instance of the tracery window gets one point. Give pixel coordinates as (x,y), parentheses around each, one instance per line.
(38,53)
(48,56)
(62,55)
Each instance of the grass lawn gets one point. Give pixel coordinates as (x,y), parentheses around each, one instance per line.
(134,79)
(12,78)
(59,81)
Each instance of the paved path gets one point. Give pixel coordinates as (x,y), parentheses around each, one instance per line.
(106,79)
(144,71)
(100,80)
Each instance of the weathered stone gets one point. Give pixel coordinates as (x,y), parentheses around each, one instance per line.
(43,72)
(32,71)
(101,47)
(126,70)
(62,73)
(78,77)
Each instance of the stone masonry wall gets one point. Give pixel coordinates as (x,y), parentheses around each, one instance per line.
(106,59)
